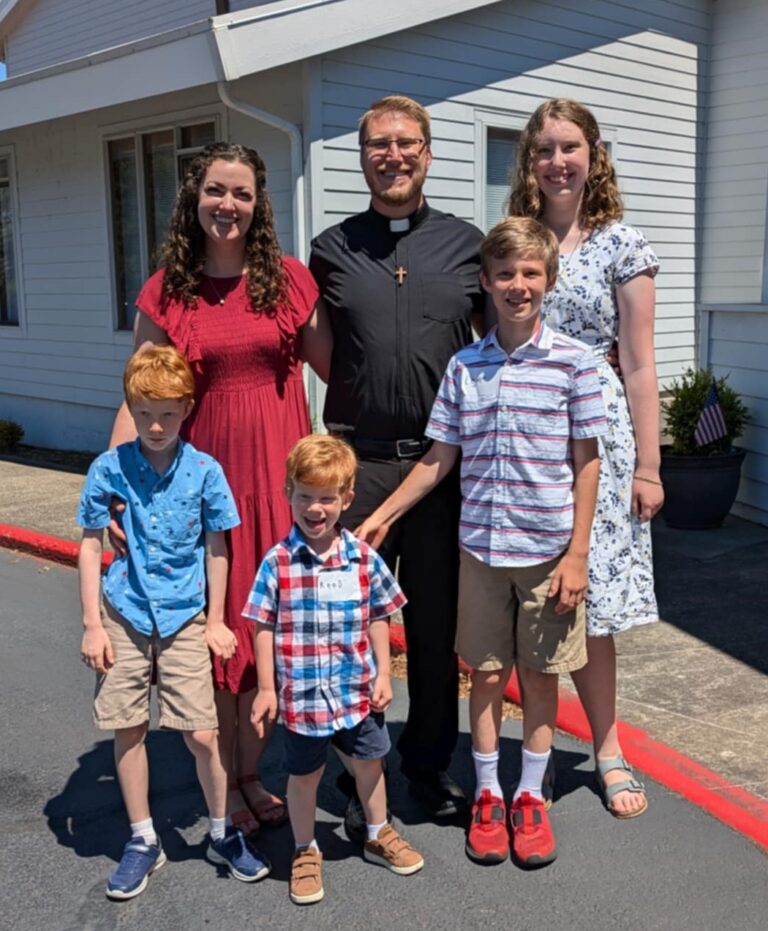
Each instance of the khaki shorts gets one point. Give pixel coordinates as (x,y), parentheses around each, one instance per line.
(506,617)
(184,677)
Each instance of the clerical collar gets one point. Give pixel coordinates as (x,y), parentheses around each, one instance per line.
(402,224)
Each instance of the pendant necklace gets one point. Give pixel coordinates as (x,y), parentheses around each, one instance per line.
(216,291)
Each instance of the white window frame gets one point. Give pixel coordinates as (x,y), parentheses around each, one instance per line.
(512,121)
(18,329)
(137,129)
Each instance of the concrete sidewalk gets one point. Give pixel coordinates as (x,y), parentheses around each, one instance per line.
(696,681)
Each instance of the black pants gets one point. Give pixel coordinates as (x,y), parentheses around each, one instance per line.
(426,542)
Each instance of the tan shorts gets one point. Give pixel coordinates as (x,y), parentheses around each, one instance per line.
(506,617)
(184,677)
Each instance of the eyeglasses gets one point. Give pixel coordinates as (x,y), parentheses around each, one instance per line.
(408,148)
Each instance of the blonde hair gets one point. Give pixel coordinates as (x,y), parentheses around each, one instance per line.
(321,462)
(158,373)
(601,202)
(525,237)
(396,103)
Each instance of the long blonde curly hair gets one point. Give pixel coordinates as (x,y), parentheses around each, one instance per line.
(601,202)
(184,248)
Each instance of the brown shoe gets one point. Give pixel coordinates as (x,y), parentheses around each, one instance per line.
(394,852)
(306,876)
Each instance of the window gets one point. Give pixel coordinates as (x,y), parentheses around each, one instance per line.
(9,299)
(500,156)
(144,174)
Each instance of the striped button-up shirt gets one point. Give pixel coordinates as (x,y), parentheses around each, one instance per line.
(321,612)
(514,417)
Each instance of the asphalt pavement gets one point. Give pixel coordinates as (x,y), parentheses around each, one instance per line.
(63,826)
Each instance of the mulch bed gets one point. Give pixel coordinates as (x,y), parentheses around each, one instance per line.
(62,460)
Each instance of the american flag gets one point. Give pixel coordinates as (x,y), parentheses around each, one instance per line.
(711,425)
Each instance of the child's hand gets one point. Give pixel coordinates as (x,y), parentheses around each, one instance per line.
(381,697)
(570,582)
(96,650)
(220,639)
(264,711)
(372,532)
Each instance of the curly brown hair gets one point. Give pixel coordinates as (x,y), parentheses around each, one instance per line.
(184,247)
(601,202)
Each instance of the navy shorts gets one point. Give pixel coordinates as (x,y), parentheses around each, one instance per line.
(368,740)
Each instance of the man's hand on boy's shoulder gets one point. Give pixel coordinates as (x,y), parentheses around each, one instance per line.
(264,711)
(569,582)
(220,639)
(381,696)
(96,649)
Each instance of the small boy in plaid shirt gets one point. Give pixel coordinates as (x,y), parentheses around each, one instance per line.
(321,601)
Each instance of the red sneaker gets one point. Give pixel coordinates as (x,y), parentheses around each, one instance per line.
(533,843)
(487,839)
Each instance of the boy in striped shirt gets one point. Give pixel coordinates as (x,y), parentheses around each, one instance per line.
(524,407)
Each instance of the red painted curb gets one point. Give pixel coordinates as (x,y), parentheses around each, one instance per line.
(728,803)
(44,546)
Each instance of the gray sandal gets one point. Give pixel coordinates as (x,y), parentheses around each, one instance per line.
(609,792)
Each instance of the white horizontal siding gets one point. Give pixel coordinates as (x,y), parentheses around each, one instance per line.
(60,30)
(639,69)
(736,181)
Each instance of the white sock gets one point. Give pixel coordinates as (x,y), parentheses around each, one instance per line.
(532,776)
(373,830)
(312,844)
(217,828)
(487,773)
(146,831)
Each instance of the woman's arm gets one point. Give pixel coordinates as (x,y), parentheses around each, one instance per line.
(144,331)
(316,341)
(636,299)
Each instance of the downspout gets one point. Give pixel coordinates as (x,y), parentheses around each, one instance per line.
(297,161)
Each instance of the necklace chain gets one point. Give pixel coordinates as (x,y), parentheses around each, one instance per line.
(566,259)
(216,291)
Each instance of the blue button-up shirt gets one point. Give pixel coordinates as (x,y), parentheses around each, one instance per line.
(160,583)
(514,417)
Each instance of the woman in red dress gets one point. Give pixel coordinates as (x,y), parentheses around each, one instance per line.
(244,316)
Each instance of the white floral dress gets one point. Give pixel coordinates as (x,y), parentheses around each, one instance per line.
(583,305)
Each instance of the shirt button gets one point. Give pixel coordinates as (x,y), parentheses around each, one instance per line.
(151,575)
(153,519)
(153,549)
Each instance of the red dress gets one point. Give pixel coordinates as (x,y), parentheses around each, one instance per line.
(250,409)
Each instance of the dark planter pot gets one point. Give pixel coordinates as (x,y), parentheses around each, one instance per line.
(699,491)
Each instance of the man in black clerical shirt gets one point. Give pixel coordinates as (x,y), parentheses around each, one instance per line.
(401,285)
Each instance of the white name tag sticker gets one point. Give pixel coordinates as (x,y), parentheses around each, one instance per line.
(336,585)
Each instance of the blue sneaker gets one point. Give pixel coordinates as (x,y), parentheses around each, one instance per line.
(138,862)
(242,861)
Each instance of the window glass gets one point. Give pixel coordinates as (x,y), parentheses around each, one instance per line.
(9,302)
(501,152)
(159,190)
(125,228)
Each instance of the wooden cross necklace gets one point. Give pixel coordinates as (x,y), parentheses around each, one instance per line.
(400,274)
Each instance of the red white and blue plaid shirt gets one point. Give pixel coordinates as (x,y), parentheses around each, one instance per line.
(514,417)
(321,612)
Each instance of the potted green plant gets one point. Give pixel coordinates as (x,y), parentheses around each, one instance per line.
(701,481)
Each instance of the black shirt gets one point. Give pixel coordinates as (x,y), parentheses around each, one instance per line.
(392,341)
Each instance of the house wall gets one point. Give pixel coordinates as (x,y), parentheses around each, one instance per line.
(734,271)
(60,370)
(53,31)
(640,70)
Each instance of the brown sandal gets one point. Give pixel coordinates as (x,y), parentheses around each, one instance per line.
(243,816)
(262,809)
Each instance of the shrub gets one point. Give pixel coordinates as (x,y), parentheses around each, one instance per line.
(684,407)
(10,434)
